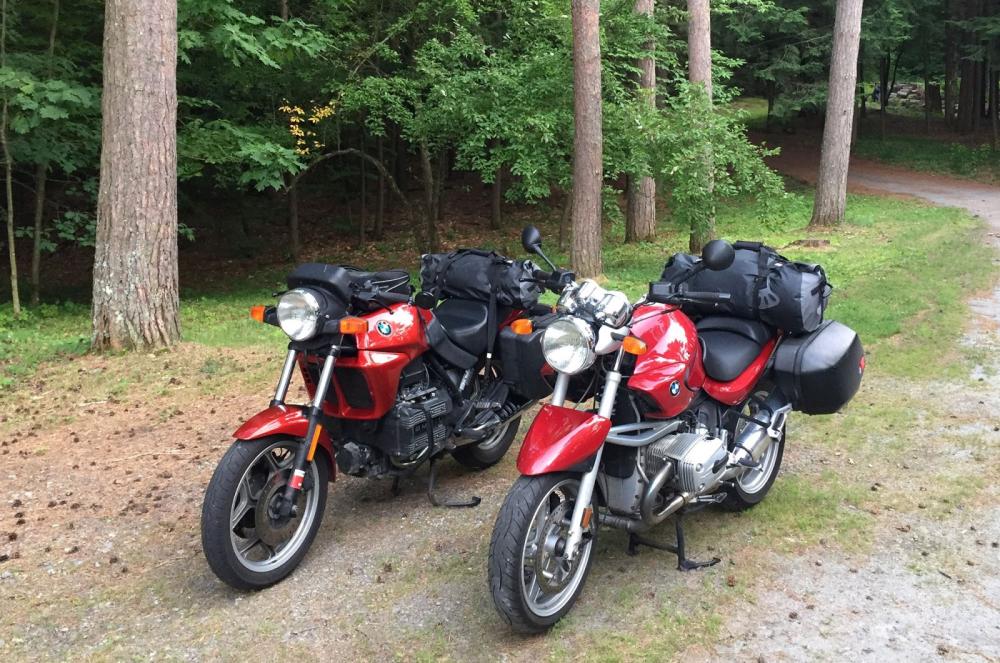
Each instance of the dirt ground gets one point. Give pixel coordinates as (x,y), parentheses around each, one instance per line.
(101,556)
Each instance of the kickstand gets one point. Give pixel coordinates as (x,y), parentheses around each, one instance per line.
(683,563)
(395,486)
(432,480)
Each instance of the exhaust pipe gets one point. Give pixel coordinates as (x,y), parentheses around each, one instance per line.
(754,440)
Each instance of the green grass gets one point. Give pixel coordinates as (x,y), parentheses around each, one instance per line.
(933,155)
(901,269)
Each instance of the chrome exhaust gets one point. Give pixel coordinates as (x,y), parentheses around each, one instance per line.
(754,440)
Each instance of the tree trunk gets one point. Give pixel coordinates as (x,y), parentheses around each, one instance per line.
(283,9)
(950,64)
(380,201)
(135,266)
(700,72)
(883,97)
(927,96)
(363,221)
(15,295)
(294,238)
(41,175)
(443,167)
(430,238)
(496,208)
(995,110)
(640,214)
(831,184)
(588,166)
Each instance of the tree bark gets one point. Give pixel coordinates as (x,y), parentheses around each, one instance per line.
(640,213)
(700,72)
(294,236)
(950,63)
(588,166)
(831,185)
(496,207)
(363,221)
(380,202)
(41,175)
(15,295)
(135,267)
(430,238)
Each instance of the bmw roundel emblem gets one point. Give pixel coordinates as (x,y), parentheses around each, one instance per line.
(384,328)
(675,388)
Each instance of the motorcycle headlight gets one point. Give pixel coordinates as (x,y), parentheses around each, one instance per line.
(298,313)
(568,345)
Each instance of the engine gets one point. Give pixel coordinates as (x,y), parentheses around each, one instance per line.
(700,460)
(404,434)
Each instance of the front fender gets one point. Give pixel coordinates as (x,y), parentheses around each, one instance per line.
(560,439)
(286,421)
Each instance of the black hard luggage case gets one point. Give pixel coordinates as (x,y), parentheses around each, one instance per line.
(821,371)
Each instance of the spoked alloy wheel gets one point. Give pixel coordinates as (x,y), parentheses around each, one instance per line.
(247,545)
(488,452)
(532,581)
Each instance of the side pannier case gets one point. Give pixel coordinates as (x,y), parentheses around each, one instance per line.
(821,371)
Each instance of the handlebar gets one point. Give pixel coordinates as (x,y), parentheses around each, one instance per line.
(556,280)
(668,293)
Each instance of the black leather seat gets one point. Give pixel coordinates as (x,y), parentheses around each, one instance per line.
(464,320)
(730,344)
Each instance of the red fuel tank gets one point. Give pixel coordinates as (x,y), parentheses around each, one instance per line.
(670,372)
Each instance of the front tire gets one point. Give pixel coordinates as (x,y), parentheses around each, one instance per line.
(485,454)
(532,584)
(245,547)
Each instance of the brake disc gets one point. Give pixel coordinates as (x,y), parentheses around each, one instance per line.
(272,531)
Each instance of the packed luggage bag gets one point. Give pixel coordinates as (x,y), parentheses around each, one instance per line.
(764,285)
(477,274)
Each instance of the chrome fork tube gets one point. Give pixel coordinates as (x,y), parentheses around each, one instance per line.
(286,377)
(589,478)
(559,390)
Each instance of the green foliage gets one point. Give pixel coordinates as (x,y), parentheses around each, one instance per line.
(932,155)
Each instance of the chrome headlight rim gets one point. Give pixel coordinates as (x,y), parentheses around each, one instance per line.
(298,313)
(577,335)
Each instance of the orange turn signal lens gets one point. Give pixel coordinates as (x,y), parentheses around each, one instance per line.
(522,326)
(257,313)
(633,345)
(353,326)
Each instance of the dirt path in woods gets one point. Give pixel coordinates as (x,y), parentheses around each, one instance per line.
(104,460)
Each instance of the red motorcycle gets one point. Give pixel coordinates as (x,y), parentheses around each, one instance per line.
(393,384)
(690,414)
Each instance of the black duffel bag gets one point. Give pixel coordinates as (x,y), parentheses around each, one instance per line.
(764,285)
(477,274)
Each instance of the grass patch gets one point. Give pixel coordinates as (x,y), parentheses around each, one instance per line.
(981,163)
(901,269)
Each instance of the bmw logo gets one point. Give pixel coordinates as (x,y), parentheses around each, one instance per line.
(384,328)
(675,388)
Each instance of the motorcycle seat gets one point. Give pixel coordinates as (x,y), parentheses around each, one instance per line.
(464,321)
(729,345)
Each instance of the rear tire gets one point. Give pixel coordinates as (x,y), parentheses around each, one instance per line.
(535,509)
(485,454)
(752,487)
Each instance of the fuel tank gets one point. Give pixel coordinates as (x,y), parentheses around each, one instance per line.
(670,373)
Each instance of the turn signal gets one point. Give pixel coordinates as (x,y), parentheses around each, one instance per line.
(522,326)
(257,313)
(633,345)
(353,326)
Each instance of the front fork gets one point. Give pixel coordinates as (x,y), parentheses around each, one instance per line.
(304,452)
(589,478)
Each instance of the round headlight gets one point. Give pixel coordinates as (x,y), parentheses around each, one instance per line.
(298,313)
(568,345)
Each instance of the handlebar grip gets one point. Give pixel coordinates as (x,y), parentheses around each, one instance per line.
(394,297)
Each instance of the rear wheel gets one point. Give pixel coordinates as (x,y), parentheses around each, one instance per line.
(751,487)
(245,544)
(532,581)
(488,452)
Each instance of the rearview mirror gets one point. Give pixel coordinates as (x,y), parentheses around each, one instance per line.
(531,239)
(718,255)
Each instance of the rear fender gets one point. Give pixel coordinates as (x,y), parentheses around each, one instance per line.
(561,439)
(285,421)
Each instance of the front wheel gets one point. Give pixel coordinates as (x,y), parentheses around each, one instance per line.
(532,582)
(245,544)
